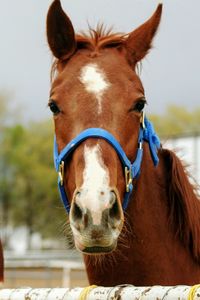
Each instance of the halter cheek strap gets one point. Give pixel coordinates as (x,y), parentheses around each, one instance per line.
(131,170)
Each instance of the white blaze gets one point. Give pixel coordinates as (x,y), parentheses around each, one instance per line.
(95,190)
(95,82)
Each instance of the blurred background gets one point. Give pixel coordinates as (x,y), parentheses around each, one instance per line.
(33,222)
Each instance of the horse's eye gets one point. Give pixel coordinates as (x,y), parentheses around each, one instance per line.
(54,107)
(139,105)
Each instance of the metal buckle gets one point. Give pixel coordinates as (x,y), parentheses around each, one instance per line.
(61,172)
(128,178)
(142,122)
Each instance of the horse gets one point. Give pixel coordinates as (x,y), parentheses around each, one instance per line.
(1,263)
(133,213)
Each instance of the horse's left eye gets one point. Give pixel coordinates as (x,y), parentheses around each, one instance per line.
(139,105)
(54,107)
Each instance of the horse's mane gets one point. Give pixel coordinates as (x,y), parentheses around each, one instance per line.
(184,203)
(101,37)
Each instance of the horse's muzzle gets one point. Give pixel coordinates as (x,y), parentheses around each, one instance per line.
(96,237)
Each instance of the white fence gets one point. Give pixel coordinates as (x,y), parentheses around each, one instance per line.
(44,269)
(102,293)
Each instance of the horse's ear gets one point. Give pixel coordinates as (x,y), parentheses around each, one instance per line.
(139,41)
(60,32)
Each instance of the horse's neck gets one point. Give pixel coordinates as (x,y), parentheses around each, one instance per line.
(153,238)
(148,208)
(156,242)
(148,247)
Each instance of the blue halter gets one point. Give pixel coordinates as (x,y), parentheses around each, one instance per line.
(131,170)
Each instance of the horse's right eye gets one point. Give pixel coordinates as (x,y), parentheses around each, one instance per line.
(54,107)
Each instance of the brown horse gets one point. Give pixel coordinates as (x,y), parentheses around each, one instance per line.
(95,85)
(1,263)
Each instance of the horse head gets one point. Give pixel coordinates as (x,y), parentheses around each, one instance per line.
(95,85)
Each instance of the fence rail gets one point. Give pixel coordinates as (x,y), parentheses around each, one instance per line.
(40,270)
(123,292)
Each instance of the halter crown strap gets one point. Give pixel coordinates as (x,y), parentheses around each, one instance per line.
(153,140)
(132,170)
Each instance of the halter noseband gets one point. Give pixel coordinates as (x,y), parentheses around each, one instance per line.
(131,170)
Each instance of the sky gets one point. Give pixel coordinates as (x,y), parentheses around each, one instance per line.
(170,73)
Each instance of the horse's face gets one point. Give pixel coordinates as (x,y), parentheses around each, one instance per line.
(97,92)
(96,86)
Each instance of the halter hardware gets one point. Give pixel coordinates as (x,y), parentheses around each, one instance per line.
(142,120)
(128,179)
(61,172)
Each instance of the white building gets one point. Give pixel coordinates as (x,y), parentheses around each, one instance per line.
(188,149)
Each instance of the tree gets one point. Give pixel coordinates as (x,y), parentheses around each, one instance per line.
(28,181)
(35,198)
(5,177)
(177,121)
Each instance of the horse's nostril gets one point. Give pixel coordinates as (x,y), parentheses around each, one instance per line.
(113,198)
(78,194)
(114,211)
(76,212)
(85,220)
